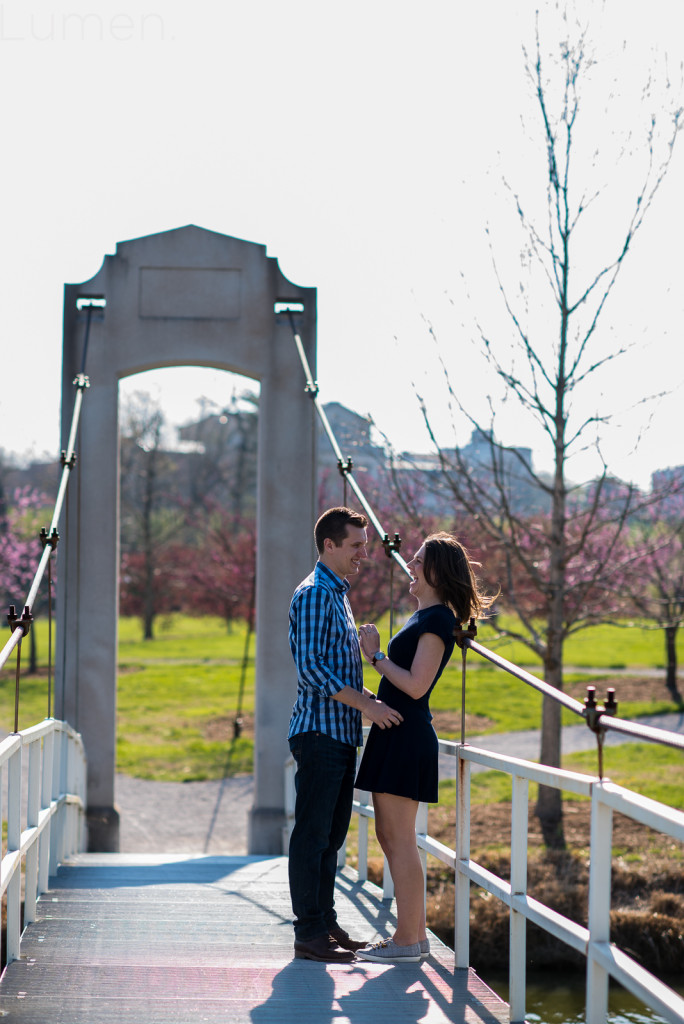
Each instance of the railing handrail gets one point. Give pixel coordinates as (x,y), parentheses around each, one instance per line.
(45,819)
(598,719)
(526,677)
(604,959)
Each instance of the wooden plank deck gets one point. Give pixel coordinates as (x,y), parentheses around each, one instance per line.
(143,939)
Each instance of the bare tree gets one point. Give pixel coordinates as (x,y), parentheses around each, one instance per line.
(659,595)
(223,468)
(149,519)
(561,565)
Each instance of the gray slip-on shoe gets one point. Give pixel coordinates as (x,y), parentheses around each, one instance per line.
(388,952)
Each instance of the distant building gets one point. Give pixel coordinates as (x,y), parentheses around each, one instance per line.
(672,478)
(499,474)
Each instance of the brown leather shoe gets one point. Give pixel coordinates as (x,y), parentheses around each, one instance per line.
(343,939)
(324,949)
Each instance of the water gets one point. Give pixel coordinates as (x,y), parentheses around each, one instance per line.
(554,1000)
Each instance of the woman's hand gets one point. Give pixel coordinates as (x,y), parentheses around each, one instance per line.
(369,639)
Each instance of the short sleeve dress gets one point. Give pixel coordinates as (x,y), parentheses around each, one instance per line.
(404,760)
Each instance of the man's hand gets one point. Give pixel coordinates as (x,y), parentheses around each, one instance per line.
(382,715)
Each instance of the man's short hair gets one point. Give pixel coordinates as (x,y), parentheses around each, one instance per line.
(333,525)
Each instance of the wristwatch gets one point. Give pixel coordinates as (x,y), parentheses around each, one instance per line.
(378,656)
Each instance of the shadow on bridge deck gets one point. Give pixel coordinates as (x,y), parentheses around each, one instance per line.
(144,939)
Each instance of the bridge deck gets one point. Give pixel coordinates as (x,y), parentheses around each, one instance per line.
(141,939)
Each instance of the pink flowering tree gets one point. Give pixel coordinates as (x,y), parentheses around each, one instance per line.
(20,553)
(218,576)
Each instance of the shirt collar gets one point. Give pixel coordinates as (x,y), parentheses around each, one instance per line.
(331,579)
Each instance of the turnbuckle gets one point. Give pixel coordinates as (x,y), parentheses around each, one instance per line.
(391,546)
(24,621)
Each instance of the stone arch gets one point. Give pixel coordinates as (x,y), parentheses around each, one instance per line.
(183,297)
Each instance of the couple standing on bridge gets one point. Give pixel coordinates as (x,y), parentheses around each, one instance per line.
(400,761)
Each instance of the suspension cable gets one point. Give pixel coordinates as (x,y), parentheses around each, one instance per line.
(345,465)
(68,460)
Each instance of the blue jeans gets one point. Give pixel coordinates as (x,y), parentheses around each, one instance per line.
(324,785)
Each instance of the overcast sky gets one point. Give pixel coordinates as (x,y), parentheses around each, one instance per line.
(365,144)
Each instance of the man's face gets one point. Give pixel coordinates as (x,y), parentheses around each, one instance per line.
(346,559)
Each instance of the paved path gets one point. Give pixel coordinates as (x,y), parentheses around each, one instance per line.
(212,817)
(184,817)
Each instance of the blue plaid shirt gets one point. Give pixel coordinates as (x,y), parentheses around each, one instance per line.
(325,647)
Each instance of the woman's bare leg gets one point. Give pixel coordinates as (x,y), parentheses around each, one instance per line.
(395,827)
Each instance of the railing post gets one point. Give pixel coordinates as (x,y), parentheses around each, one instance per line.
(45,849)
(290,797)
(62,814)
(32,821)
(518,922)
(462,883)
(362,860)
(601,842)
(422,830)
(55,832)
(14,844)
(387,883)
(83,793)
(71,809)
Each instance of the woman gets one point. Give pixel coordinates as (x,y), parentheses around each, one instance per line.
(400,766)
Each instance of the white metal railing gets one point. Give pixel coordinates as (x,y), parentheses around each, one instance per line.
(604,959)
(44,782)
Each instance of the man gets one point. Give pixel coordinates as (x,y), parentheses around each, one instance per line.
(325,731)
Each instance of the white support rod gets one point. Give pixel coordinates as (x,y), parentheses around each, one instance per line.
(526,677)
(312,387)
(18,632)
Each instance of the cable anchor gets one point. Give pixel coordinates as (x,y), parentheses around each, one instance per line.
(345,466)
(71,462)
(461,634)
(52,539)
(593,713)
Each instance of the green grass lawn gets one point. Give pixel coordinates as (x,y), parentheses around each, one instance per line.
(178,694)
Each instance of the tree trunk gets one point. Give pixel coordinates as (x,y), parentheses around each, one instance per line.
(549,808)
(33,652)
(148,546)
(671,663)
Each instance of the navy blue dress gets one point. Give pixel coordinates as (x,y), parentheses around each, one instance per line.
(403,760)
